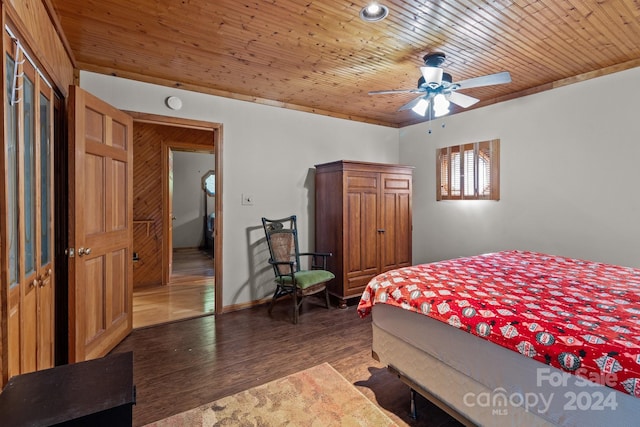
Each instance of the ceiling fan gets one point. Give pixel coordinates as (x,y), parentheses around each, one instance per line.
(437,88)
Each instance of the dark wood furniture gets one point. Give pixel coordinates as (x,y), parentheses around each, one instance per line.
(98,392)
(363,217)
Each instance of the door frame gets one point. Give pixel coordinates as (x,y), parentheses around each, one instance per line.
(216,130)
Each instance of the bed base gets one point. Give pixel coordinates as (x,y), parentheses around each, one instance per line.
(399,345)
(415,387)
(406,361)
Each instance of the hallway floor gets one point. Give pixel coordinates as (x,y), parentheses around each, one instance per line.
(189,294)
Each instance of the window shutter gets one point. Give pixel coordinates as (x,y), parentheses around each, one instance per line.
(494,149)
(484,177)
(455,166)
(469,171)
(442,173)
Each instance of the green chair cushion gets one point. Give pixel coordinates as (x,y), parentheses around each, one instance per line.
(307,278)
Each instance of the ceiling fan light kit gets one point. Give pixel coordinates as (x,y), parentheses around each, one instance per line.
(421,106)
(374,12)
(437,89)
(440,105)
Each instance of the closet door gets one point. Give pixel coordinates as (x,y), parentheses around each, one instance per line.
(11,246)
(29,226)
(45,280)
(28,222)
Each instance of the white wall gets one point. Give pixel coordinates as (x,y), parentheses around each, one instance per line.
(268,152)
(570,180)
(188,197)
(569,175)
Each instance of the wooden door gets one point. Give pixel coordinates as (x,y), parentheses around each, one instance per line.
(27,177)
(170,220)
(45,227)
(27,214)
(101,231)
(396,222)
(361,225)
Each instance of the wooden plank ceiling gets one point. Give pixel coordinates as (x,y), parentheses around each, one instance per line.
(320,56)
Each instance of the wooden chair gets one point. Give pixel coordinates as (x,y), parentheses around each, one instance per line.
(291,279)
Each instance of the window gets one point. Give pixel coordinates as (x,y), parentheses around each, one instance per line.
(209,183)
(469,171)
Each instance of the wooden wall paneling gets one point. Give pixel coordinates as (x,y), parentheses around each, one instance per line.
(277,53)
(147,205)
(148,140)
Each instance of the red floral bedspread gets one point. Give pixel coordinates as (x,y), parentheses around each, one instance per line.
(580,316)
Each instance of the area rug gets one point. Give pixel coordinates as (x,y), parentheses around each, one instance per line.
(318,396)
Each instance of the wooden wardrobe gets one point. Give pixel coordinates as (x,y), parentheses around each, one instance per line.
(363,217)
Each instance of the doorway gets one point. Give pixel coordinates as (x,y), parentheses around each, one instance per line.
(183,282)
(193,211)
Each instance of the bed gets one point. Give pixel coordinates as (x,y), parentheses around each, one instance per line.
(513,338)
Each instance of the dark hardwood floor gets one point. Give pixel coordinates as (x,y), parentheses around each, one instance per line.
(181,365)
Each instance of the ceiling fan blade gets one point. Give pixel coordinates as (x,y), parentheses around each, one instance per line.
(432,74)
(491,79)
(409,105)
(384,92)
(465,101)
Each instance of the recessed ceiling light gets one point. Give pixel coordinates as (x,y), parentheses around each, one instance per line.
(374,12)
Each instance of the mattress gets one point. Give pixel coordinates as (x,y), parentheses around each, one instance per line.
(579,316)
(489,384)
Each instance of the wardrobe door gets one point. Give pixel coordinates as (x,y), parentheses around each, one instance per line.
(395,222)
(361,239)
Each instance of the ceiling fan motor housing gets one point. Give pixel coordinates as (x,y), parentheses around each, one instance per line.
(434,59)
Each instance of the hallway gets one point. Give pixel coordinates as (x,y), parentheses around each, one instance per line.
(189,294)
